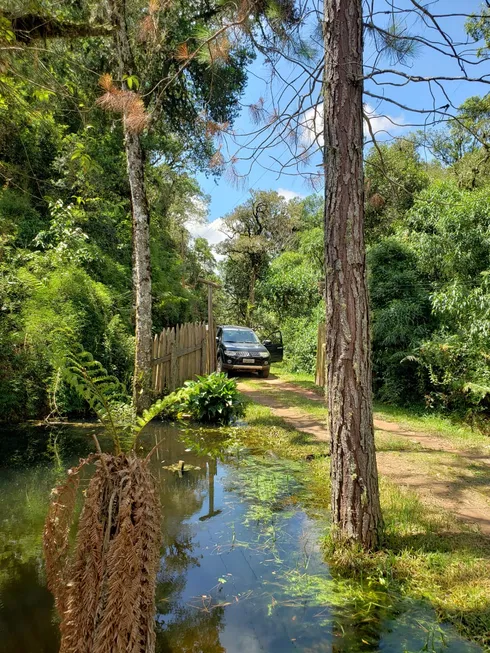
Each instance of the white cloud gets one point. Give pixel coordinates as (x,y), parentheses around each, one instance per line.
(289,194)
(211,231)
(313,125)
(198,209)
(381,124)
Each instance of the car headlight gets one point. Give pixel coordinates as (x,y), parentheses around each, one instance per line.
(264,354)
(230,353)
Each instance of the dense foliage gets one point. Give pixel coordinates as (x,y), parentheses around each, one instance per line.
(212,399)
(283,290)
(65,221)
(65,210)
(428,234)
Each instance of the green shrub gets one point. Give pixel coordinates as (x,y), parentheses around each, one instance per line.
(300,337)
(212,399)
(400,319)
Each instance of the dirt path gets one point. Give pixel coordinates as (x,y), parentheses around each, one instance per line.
(441,473)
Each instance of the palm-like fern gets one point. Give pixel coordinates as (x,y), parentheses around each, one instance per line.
(108,398)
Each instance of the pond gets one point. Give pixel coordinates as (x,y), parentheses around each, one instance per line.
(241,569)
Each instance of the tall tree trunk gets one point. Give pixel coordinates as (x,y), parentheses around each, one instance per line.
(141,223)
(141,272)
(355,496)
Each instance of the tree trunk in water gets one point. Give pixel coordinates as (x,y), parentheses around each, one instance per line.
(141,222)
(141,272)
(356,511)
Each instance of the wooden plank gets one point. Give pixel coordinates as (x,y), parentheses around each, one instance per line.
(161,368)
(188,355)
(182,357)
(166,365)
(155,370)
(204,350)
(174,369)
(197,352)
(210,329)
(154,354)
(192,356)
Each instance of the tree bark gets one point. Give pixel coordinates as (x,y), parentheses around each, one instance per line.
(141,272)
(356,511)
(141,224)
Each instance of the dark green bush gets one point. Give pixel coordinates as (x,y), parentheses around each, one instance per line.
(212,399)
(300,337)
(401,318)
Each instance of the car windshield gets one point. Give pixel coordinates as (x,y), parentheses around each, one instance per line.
(239,335)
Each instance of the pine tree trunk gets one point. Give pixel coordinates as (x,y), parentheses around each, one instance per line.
(356,511)
(141,272)
(141,223)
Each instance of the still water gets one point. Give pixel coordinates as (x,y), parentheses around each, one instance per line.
(241,570)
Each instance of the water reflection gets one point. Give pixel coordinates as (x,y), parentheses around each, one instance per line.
(27,612)
(240,567)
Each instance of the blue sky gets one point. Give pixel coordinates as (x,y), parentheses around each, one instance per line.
(224,197)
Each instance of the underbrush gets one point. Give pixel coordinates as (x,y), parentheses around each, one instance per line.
(426,555)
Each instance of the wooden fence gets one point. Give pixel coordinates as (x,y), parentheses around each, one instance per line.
(320,356)
(179,354)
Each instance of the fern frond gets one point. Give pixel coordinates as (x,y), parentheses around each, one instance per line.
(104,393)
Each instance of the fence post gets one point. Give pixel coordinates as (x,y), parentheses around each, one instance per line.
(204,351)
(173,360)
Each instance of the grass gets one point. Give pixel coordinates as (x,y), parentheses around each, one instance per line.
(267,432)
(390,442)
(419,419)
(302,379)
(427,555)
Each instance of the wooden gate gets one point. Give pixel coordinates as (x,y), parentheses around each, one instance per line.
(179,354)
(320,356)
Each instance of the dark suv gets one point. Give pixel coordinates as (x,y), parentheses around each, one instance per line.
(239,348)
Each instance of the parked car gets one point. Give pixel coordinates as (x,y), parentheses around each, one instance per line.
(239,348)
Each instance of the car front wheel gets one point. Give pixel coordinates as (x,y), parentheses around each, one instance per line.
(264,373)
(219,366)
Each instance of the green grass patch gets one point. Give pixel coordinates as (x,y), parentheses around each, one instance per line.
(289,398)
(427,555)
(299,378)
(390,442)
(419,419)
(265,431)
